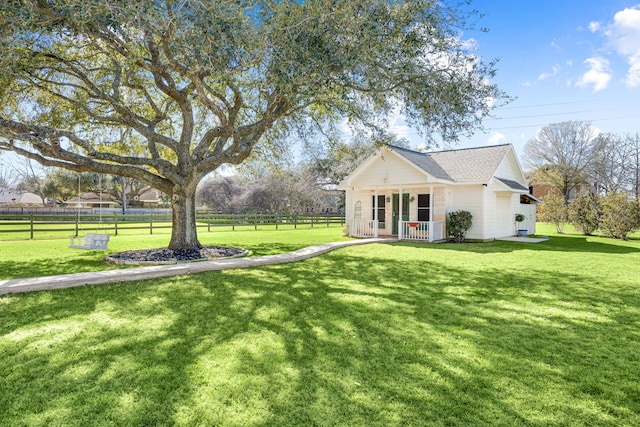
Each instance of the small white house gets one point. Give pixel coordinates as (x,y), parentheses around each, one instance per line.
(486,181)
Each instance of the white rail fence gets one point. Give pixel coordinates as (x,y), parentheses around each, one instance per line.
(421,230)
(364,228)
(408,230)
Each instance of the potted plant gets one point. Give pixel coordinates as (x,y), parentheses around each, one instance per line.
(520,218)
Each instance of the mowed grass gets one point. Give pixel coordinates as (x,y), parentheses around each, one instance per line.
(44,257)
(393,334)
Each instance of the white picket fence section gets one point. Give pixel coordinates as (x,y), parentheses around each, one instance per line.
(364,228)
(428,231)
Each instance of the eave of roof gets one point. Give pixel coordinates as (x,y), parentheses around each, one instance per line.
(513,184)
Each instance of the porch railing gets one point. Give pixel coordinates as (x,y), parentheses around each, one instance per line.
(364,228)
(421,230)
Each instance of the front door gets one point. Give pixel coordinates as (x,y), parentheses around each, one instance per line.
(395,211)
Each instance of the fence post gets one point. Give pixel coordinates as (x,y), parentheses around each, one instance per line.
(233,222)
(77,222)
(151,224)
(31,222)
(327,219)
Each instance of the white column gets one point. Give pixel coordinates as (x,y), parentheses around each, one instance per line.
(400,214)
(375,213)
(431,213)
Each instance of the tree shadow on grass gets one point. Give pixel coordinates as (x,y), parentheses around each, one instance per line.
(83,262)
(564,243)
(336,340)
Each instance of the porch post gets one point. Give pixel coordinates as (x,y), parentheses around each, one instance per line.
(431,213)
(375,213)
(400,236)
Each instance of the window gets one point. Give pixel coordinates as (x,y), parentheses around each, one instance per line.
(424,206)
(357,210)
(381,209)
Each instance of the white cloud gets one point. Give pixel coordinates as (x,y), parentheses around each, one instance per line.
(598,75)
(624,36)
(496,138)
(594,26)
(554,71)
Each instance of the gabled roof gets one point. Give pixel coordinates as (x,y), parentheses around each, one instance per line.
(19,197)
(464,165)
(424,161)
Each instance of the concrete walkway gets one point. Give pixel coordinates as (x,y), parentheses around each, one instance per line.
(152,272)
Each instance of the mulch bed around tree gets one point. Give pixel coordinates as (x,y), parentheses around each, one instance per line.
(169,256)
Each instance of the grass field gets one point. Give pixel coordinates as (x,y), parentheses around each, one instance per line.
(43,257)
(393,334)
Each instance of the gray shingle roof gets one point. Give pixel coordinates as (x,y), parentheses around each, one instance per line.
(512,184)
(464,165)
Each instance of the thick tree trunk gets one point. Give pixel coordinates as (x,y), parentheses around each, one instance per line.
(184,234)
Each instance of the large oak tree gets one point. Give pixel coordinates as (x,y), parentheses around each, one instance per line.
(196,84)
(563,155)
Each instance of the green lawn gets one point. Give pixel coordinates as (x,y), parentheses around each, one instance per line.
(44,257)
(395,334)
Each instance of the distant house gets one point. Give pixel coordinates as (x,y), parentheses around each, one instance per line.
(92,200)
(12,198)
(486,181)
(148,198)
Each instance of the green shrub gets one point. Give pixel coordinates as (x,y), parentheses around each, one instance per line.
(458,223)
(553,210)
(585,212)
(620,216)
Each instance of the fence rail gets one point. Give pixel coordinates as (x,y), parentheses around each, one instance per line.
(75,224)
(422,230)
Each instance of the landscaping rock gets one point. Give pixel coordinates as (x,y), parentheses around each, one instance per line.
(169,256)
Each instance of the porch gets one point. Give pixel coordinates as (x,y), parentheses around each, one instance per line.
(426,231)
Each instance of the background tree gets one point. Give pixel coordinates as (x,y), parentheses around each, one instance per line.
(611,164)
(553,210)
(199,84)
(585,212)
(632,142)
(62,185)
(620,215)
(561,154)
(125,190)
(29,177)
(297,190)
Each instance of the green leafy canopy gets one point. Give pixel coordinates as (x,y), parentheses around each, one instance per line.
(167,91)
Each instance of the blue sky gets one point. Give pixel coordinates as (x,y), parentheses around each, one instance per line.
(562,60)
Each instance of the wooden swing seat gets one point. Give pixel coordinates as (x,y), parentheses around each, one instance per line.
(92,241)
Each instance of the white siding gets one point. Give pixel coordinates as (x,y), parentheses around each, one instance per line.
(489,213)
(388,169)
(529,224)
(505,217)
(509,169)
(469,198)
(439,204)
